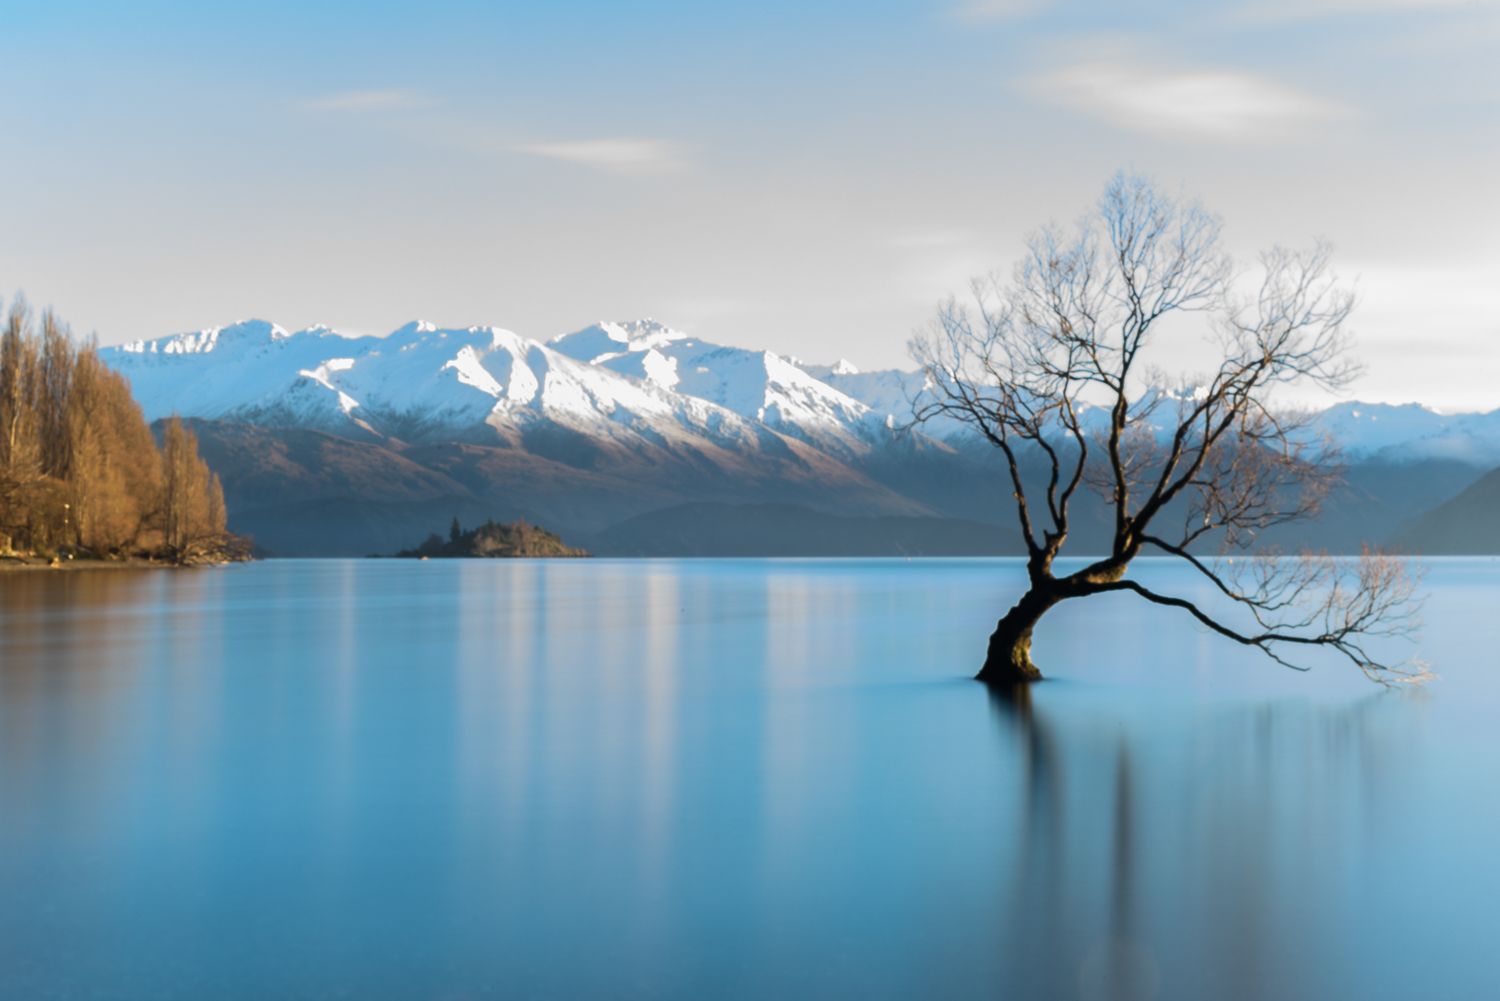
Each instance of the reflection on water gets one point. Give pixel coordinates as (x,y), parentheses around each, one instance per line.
(1222,844)
(733,779)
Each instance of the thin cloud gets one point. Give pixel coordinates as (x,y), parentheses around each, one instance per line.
(1301,10)
(996,10)
(369,101)
(621,156)
(1214,104)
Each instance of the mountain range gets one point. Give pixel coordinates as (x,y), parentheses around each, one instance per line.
(329,444)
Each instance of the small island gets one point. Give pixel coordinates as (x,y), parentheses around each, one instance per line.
(493,540)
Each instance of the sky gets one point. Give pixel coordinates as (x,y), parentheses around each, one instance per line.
(811,178)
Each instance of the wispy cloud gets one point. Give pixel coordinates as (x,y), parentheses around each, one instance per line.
(620,155)
(996,10)
(369,100)
(1301,10)
(1206,103)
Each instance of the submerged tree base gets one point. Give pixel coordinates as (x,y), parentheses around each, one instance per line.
(1008,659)
(1009,665)
(1009,671)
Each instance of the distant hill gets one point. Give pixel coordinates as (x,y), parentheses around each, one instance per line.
(305,492)
(308,492)
(493,540)
(1377,497)
(1467,525)
(787,530)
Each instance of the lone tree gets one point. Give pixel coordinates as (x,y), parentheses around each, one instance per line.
(1054,370)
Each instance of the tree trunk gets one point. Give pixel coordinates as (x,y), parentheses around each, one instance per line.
(1008,661)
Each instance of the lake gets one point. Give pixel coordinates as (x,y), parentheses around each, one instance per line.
(695,779)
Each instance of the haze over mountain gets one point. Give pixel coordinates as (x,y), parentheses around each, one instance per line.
(329,443)
(1468,524)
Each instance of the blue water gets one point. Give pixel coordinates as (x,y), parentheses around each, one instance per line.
(514,779)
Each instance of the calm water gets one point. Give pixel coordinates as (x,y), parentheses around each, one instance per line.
(722,779)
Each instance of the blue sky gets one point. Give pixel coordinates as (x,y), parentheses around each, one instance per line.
(806,177)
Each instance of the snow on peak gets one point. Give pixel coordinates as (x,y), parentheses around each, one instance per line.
(610,339)
(321,330)
(244,331)
(761,386)
(1411,430)
(210,338)
(413,329)
(844,367)
(640,334)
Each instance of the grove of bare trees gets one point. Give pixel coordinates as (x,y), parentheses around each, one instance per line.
(80,471)
(1062,370)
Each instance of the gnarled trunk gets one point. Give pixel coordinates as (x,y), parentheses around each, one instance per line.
(1008,661)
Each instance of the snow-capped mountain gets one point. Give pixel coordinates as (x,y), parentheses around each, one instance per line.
(423,385)
(886,391)
(328,443)
(762,386)
(417,383)
(638,384)
(1408,431)
(250,370)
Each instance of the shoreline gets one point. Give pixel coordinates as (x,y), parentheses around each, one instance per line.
(24,564)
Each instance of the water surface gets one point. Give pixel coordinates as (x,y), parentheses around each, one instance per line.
(510,779)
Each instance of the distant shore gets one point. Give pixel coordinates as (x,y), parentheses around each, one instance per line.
(20,564)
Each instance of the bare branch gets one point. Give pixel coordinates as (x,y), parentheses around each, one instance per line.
(1054,369)
(1315,601)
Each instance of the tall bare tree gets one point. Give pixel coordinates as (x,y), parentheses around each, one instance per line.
(1054,369)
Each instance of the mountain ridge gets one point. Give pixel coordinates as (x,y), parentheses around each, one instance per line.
(423,380)
(617,419)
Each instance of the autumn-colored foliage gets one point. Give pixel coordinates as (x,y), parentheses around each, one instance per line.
(80,471)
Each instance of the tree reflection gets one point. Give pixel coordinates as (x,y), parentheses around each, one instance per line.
(1157,858)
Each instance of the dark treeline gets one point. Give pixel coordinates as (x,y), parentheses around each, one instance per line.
(80,471)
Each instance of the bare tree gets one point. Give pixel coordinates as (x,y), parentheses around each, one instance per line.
(1053,369)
